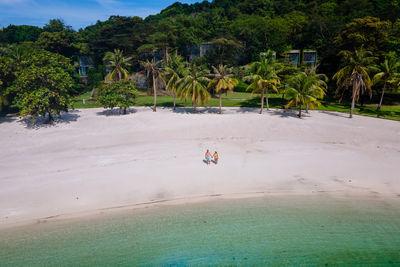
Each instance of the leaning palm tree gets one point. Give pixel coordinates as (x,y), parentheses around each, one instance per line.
(175,71)
(194,86)
(117,64)
(388,70)
(264,76)
(222,82)
(355,73)
(305,88)
(154,69)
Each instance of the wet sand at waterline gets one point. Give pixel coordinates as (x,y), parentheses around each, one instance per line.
(93,161)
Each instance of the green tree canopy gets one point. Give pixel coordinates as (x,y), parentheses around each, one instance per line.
(388,72)
(42,85)
(355,72)
(264,76)
(194,86)
(305,88)
(222,81)
(175,71)
(369,32)
(120,94)
(118,65)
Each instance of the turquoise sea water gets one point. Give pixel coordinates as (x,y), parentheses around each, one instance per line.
(275,231)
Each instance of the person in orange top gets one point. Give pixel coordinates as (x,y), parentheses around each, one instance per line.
(215,157)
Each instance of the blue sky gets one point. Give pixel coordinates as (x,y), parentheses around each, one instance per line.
(77,13)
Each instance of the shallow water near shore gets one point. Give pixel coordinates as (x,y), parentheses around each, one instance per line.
(273,230)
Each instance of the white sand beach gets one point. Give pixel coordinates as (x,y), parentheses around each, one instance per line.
(93,159)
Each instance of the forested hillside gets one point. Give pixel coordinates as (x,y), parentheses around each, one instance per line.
(239,30)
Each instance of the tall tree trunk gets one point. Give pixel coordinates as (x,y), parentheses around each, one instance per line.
(174,100)
(124,110)
(266,98)
(166,54)
(220,101)
(262,100)
(306,108)
(119,74)
(381,101)
(148,85)
(194,105)
(50,120)
(155,93)
(353,102)
(300,106)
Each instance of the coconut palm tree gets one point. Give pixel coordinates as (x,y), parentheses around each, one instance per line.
(194,86)
(175,71)
(355,73)
(305,88)
(222,81)
(154,68)
(264,76)
(388,70)
(118,64)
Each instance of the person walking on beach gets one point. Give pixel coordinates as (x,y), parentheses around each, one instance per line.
(208,157)
(215,157)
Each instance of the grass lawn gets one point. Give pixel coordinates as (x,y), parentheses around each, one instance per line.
(244,99)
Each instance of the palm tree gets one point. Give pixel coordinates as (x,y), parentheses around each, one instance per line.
(222,82)
(388,70)
(153,67)
(355,73)
(194,86)
(175,71)
(305,88)
(118,64)
(264,75)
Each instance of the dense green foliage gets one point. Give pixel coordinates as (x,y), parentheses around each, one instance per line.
(194,86)
(238,31)
(355,73)
(306,88)
(222,82)
(117,64)
(264,76)
(120,94)
(42,85)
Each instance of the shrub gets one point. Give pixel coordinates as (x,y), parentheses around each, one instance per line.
(120,94)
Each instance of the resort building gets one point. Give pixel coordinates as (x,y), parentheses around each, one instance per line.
(200,50)
(309,57)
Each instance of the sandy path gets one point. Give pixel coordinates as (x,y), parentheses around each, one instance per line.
(95,160)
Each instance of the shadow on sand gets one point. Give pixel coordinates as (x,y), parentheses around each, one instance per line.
(42,122)
(116,112)
(289,113)
(212,110)
(336,114)
(7,119)
(190,110)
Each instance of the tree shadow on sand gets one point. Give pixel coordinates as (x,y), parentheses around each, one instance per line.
(7,119)
(116,112)
(335,113)
(247,110)
(190,110)
(42,121)
(288,113)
